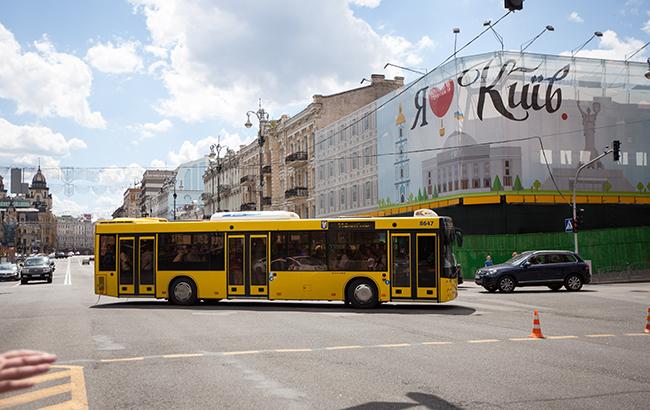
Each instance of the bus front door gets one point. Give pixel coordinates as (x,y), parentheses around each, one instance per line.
(247,266)
(414,266)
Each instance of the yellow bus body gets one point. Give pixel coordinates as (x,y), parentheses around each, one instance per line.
(321,285)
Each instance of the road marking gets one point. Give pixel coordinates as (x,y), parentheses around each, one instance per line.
(123,359)
(483,341)
(637,334)
(437,343)
(174,356)
(68,276)
(561,337)
(523,339)
(292,350)
(602,335)
(242,352)
(76,387)
(214,313)
(344,347)
(394,345)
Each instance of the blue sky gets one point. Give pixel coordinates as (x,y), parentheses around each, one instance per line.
(113,87)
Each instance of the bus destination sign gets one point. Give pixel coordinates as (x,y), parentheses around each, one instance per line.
(352,226)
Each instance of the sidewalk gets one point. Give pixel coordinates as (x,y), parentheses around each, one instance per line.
(621,277)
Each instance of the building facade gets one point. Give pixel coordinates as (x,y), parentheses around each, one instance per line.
(27,222)
(150,186)
(292,143)
(222,184)
(187,185)
(346,165)
(75,233)
(129,207)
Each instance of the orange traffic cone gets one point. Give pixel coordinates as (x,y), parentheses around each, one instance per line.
(647,322)
(537,330)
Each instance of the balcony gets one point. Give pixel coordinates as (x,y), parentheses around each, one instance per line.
(296,159)
(266,200)
(266,169)
(298,192)
(247,179)
(224,189)
(249,206)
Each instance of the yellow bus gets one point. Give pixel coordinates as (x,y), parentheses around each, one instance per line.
(360,261)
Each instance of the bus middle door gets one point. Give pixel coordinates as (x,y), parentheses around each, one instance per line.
(247,267)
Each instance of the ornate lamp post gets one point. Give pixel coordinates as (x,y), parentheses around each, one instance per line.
(262,117)
(216,159)
(171,181)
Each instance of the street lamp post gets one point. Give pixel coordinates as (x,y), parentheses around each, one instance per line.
(217,147)
(456,31)
(527,44)
(488,23)
(596,34)
(171,181)
(262,117)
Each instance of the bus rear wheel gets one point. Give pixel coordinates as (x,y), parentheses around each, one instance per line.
(362,294)
(183,292)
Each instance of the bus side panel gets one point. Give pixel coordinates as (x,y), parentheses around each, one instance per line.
(292,285)
(448,289)
(209,284)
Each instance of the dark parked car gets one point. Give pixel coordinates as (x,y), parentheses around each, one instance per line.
(36,267)
(536,268)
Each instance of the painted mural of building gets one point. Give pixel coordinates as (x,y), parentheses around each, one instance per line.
(507,121)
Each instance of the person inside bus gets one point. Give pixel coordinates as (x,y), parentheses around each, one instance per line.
(181,254)
(195,254)
(108,257)
(146,258)
(346,259)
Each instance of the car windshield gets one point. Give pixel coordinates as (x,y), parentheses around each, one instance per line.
(35,261)
(517,259)
(6,266)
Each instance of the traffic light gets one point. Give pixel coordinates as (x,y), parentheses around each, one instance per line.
(579,221)
(513,5)
(617,150)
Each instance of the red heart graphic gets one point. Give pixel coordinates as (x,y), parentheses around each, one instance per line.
(440,100)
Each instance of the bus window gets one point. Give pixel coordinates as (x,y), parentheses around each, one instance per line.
(190,251)
(300,251)
(107,253)
(357,250)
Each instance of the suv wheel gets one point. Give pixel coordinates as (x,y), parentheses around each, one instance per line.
(573,283)
(506,284)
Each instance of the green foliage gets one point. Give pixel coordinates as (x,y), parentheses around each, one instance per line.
(537,185)
(411,197)
(496,186)
(648,186)
(607,186)
(640,186)
(435,191)
(518,186)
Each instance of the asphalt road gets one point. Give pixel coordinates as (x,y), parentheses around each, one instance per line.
(471,353)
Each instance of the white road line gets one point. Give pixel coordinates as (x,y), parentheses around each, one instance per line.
(68,276)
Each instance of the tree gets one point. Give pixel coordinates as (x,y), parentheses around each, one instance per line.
(496,186)
(518,186)
(640,186)
(607,186)
(648,186)
(435,191)
(420,195)
(411,197)
(537,185)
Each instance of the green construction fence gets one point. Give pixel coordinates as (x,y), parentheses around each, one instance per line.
(610,250)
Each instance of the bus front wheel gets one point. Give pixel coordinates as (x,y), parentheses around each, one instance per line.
(362,294)
(183,292)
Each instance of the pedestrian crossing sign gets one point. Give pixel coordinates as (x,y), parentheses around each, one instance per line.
(568,224)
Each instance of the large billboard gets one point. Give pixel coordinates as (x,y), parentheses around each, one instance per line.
(514,122)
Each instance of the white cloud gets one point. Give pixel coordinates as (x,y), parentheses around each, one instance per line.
(366,3)
(614,48)
(45,82)
(646,27)
(66,206)
(189,151)
(159,52)
(34,140)
(115,59)
(149,129)
(575,17)
(114,175)
(224,56)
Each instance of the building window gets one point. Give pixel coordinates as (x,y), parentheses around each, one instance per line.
(342,199)
(354,195)
(330,169)
(367,191)
(585,156)
(331,200)
(545,156)
(367,153)
(642,159)
(507,178)
(341,166)
(355,160)
(565,157)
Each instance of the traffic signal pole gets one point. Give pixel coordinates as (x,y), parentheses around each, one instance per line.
(575,184)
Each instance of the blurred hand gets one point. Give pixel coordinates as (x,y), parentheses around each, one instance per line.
(17,366)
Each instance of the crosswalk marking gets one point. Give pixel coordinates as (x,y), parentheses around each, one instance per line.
(76,387)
